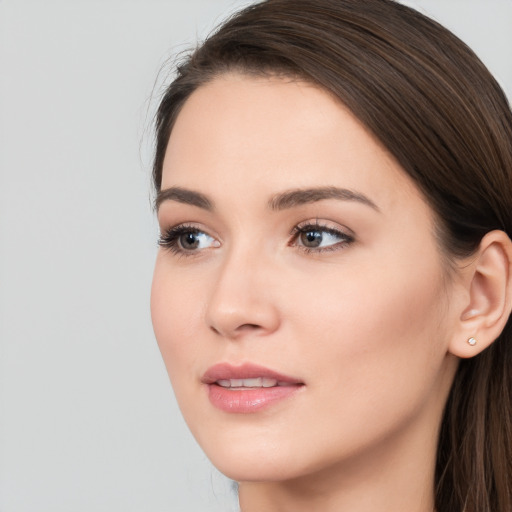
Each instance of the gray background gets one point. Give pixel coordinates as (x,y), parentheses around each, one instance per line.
(88,421)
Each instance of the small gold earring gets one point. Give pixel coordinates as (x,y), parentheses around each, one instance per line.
(472,341)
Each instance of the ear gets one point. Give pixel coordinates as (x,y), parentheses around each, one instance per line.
(488,298)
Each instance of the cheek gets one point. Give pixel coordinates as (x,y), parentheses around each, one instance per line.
(175,313)
(368,303)
(377,337)
(371,351)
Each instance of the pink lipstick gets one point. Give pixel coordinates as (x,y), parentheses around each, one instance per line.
(247,388)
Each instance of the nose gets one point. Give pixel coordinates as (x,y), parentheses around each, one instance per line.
(243,302)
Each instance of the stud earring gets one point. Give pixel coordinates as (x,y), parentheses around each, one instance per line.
(472,341)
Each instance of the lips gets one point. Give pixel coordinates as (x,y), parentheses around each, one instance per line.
(247,388)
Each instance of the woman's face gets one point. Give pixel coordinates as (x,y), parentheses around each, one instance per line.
(299,297)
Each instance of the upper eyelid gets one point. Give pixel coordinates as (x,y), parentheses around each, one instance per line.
(325,225)
(312,223)
(177,229)
(192,226)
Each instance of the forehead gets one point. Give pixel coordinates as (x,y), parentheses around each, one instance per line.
(266,134)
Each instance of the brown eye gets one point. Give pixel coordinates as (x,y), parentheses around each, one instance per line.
(194,240)
(315,237)
(189,241)
(311,238)
(186,240)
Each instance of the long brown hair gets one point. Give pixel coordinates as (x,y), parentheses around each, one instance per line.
(433,104)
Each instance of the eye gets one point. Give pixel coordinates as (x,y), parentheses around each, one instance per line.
(315,237)
(185,239)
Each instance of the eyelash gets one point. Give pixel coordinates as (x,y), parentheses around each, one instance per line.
(303,229)
(170,238)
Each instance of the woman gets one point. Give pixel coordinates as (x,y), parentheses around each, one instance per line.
(333,289)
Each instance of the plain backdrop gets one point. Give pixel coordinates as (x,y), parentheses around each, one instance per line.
(88,421)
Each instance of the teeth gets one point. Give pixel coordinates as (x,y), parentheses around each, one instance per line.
(259,382)
(268,383)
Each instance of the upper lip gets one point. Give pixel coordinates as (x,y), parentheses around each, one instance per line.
(227,371)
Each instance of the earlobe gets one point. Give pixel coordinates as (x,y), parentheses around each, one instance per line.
(489,296)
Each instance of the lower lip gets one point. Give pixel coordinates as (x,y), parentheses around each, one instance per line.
(248,400)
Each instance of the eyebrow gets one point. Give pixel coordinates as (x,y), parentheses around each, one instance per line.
(282,201)
(299,197)
(183,195)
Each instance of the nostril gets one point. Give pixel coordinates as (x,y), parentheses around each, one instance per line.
(216,331)
(248,327)
(241,329)
(233,315)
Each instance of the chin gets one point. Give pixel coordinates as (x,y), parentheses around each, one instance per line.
(258,469)
(250,459)
(274,459)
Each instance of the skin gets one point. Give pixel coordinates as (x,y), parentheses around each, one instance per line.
(365,324)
